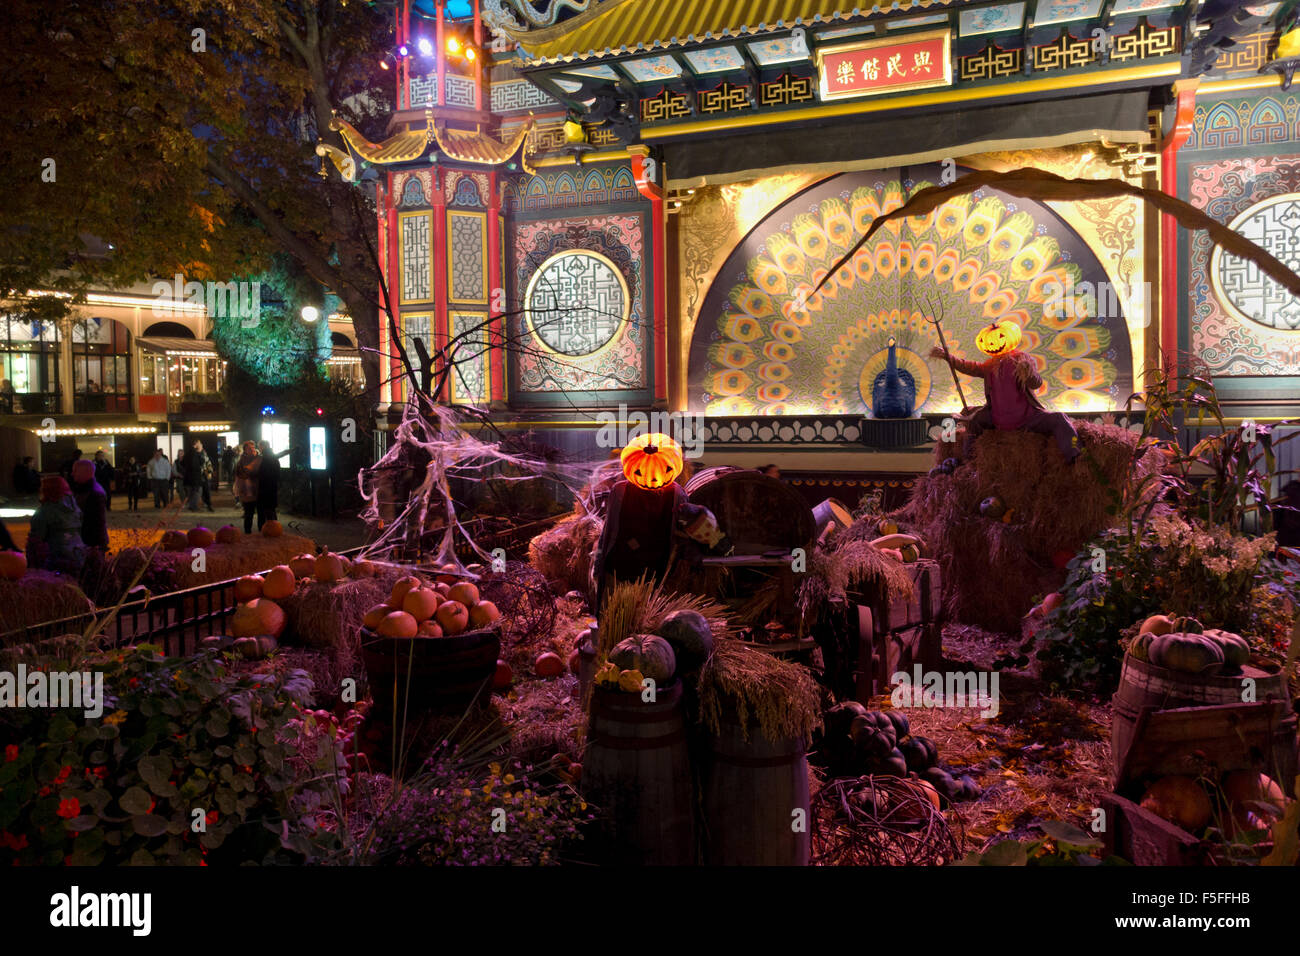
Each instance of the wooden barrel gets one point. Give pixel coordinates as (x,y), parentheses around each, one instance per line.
(752,788)
(757,512)
(636,772)
(446,674)
(832,511)
(1164,721)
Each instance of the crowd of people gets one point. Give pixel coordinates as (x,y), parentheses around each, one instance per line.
(69,530)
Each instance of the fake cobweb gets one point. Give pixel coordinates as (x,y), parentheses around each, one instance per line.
(436,453)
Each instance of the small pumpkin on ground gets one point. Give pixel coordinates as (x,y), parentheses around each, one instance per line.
(648,654)
(1180,800)
(548,664)
(13,565)
(503,677)
(200,537)
(228,534)
(259,616)
(273,529)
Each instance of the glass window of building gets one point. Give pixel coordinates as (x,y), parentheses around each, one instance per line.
(101,366)
(29,366)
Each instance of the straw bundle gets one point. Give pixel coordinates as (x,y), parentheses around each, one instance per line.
(640,606)
(36,597)
(849,562)
(563,553)
(992,570)
(779,697)
(174,570)
(328,614)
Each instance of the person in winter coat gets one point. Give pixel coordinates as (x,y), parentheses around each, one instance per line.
(268,485)
(159,472)
(131,478)
(54,541)
(197,469)
(93,503)
(104,475)
(246,471)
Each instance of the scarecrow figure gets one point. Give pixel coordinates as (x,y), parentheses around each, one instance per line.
(1010,379)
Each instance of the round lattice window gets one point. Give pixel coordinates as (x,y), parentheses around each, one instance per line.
(577,301)
(1240,286)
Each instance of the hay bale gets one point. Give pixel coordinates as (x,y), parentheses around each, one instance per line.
(174,570)
(37,597)
(993,570)
(564,552)
(325,614)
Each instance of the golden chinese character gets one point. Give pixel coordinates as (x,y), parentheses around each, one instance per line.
(895,65)
(871,69)
(921,62)
(844,72)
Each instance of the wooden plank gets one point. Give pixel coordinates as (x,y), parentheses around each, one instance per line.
(1228,736)
(1145,839)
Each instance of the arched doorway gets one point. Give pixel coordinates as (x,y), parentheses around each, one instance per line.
(171,330)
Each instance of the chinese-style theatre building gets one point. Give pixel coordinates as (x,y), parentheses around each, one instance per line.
(626,204)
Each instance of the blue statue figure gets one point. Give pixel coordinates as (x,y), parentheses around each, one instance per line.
(893,394)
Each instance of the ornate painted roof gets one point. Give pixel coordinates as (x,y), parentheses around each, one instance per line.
(478,146)
(466,146)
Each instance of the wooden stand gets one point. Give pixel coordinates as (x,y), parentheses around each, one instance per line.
(896,636)
(779,566)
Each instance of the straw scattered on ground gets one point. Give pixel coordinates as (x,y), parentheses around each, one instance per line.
(174,570)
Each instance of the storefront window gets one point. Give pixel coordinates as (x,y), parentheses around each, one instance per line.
(101,366)
(29,366)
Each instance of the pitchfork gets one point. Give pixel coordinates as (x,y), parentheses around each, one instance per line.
(934,314)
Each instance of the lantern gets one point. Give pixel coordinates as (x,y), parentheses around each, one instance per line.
(651,461)
(998,338)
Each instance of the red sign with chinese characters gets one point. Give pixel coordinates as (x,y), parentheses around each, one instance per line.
(885,66)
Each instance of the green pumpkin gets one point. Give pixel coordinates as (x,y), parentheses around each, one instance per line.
(689,634)
(647,653)
(1140,647)
(1236,651)
(1188,653)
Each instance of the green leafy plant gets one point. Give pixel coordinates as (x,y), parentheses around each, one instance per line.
(189,763)
(1062,844)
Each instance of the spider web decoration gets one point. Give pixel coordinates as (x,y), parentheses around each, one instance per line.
(523,596)
(438,448)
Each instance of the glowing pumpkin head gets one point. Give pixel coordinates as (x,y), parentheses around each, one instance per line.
(652,461)
(998,338)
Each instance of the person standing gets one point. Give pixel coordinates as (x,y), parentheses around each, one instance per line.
(246,469)
(27,481)
(268,484)
(93,502)
(228,458)
(195,469)
(66,468)
(104,475)
(54,541)
(131,477)
(159,473)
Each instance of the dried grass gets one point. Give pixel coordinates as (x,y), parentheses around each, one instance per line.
(564,552)
(992,571)
(778,696)
(639,607)
(849,562)
(545,717)
(174,570)
(40,596)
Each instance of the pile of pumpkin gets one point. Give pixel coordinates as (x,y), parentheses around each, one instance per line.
(857,741)
(200,537)
(13,565)
(258,621)
(681,644)
(1245,801)
(444,608)
(893,542)
(1183,644)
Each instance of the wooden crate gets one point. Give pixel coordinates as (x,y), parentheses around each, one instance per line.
(1145,839)
(897,635)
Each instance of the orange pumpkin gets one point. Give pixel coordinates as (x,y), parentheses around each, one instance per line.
(452,617)
(397,624)
(303,566)
(273,529)
(361,568)
(484,613)
(200,538)
(428,629)
(548,665)
(249,587)
(375,615)
(259,616)
(450,574)
(651,461)
(401,587)
(464,592)
(1180,800)
(13,565)
(503,677)
(228,534)
(327,567)
(278,582)
(998,338)
(421,603)
(442,587)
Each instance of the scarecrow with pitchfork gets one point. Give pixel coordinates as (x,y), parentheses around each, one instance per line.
(1010,380)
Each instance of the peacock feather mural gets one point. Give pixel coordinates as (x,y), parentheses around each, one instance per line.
(766,345)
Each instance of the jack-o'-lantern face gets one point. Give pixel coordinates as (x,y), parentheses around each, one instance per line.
(651,461)
(998,338)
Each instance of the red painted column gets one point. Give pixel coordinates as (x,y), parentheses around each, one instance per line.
(440,53)
(480,68)
(496,280)
(1169,291)
(396,390)
(441,287)
(658,234)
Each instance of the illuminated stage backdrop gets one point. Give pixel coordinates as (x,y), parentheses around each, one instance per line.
(764,344)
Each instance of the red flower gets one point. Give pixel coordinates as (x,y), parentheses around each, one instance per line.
(13,842)
(62,776)
(11,752)
(211,816)
(69,808)
(133,682)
